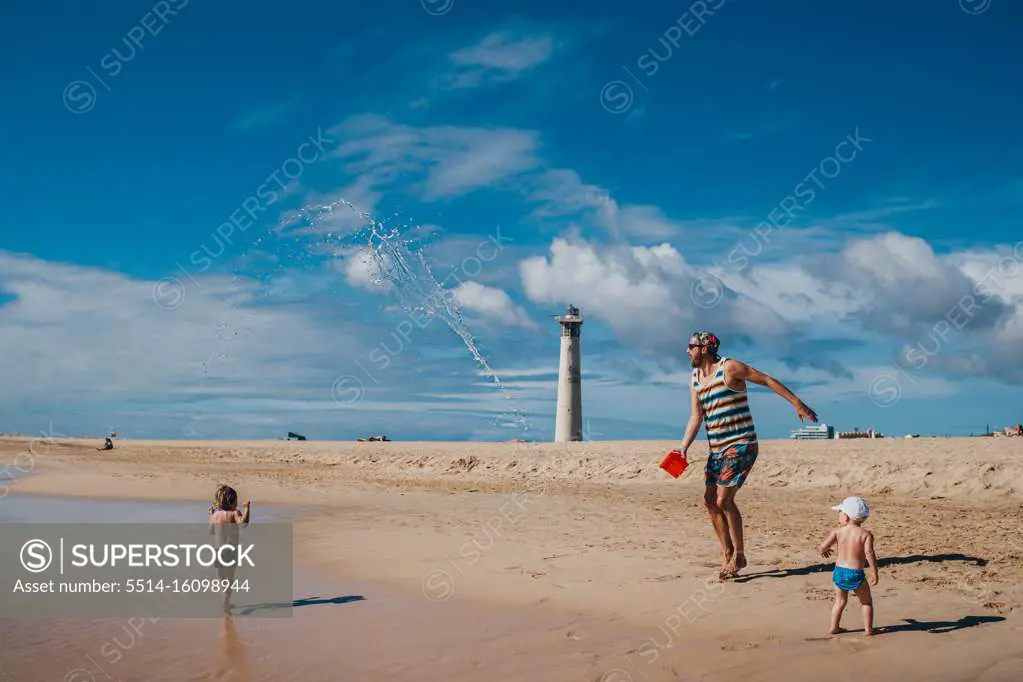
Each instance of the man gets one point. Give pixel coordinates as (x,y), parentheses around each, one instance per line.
(719,401)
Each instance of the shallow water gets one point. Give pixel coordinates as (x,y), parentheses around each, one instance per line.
(20,467)
(122,649)
(16,508)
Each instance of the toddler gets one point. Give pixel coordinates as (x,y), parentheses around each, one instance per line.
(224,522)
(225,508)
(855,548)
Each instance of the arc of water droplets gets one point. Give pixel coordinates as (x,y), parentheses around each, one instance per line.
(395,261)
(224,337)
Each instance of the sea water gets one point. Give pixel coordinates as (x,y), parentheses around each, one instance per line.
(33,508)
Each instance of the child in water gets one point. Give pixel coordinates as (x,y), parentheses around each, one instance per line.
(855,547)
(225,520)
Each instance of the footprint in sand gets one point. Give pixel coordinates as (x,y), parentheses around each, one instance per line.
(740,647)
(996,606)
(666,578)
(854,644)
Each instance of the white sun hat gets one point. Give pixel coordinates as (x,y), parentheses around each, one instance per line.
(854,507)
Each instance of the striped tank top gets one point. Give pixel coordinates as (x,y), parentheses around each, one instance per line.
(727,417)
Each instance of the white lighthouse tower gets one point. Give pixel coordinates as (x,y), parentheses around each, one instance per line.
(569,418)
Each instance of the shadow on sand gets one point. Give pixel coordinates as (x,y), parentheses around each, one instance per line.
(881,563)
(936,627)
(308,601)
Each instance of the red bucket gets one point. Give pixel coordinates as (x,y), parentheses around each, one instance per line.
(675,463)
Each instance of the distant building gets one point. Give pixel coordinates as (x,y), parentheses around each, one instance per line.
(856,433)
(813,432)
(1011,431)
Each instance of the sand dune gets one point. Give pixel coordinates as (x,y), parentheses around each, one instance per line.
(925,467)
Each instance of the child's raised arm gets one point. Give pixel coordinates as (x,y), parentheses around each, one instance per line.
(868,549)
(825,548)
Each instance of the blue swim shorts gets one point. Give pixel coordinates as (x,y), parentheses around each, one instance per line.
(847,579)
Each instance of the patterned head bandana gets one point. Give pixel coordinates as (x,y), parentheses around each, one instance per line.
(707,339)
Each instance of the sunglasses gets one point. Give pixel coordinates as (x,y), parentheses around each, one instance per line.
(695,345)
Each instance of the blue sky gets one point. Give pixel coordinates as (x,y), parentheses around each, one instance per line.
(833,190)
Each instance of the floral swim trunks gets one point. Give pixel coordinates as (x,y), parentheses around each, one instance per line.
(731,467)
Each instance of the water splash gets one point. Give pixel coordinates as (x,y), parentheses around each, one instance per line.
(225,335)
(398,263)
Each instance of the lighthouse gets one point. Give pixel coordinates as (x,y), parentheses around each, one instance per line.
(569,418)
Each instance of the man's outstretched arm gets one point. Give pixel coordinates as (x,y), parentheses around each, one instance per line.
(741,371)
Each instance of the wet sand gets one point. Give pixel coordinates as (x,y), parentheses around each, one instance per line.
(576,562)
(339,630)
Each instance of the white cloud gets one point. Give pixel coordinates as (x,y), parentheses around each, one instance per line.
(1000,270)
(361,270)
(476,158)
(997,278)
(500,57)
(492,303)
(643,293)
(330,214)
(620,285)
(561,193)
(797,295)
(906,292)
(445,160)
(506,374)
(81,341)
(888,289)
(77,333)
(442,162)
(89,349)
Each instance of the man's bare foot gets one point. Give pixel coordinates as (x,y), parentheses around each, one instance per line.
(836,631)
(868,633)
(728,572)
(731,569)
(727,565)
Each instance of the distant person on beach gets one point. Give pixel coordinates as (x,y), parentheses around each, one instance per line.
(855,548)
(719,401)
(225,520)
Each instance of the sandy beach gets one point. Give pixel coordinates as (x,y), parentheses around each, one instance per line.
(579,561)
